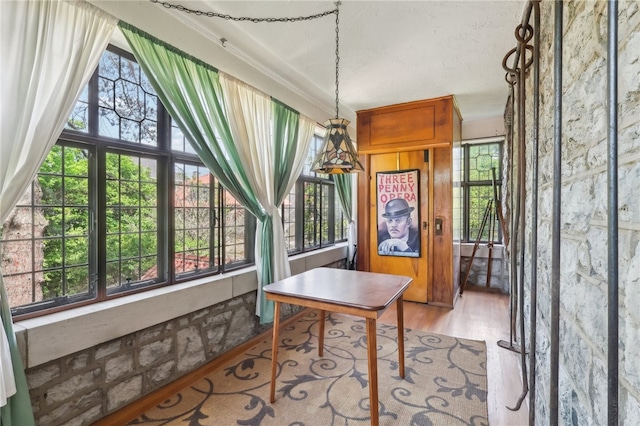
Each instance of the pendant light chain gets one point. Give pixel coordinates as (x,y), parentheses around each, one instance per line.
(337,53)
(227,17)
(337,154)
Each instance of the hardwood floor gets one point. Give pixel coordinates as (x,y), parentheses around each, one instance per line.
(478,315)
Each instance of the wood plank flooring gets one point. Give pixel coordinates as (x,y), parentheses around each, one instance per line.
(478,315)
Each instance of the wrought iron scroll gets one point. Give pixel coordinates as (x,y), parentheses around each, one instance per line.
(524,56)
(515,76)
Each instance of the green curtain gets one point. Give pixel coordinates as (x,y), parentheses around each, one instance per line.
(192,92)
(343,186)
(344,183)
(18,410)
(285,136)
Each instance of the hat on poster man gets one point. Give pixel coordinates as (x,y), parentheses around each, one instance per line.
(397,207)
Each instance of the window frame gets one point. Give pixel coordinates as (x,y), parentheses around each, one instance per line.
(466,184)
(99,146)
(324,182)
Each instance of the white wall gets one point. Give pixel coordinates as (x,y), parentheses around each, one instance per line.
(480,129)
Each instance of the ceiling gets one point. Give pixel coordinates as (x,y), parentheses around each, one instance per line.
(390,51)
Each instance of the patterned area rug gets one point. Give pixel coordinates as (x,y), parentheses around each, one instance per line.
(445,381)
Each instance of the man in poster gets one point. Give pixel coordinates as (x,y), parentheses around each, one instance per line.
(399,238)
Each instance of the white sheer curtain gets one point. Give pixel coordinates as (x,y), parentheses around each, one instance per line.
(306,129)
(50,49)
(249,115)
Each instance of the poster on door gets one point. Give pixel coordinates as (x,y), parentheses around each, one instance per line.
(398,213)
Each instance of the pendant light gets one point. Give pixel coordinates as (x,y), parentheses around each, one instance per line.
(337,154)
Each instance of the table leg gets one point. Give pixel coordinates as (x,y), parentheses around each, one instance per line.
(400,309)
(321,332)
(274,349)
(372,358)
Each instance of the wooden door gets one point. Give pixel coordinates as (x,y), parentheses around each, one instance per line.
(414,267)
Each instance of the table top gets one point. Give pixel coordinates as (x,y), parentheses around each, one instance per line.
(362,290)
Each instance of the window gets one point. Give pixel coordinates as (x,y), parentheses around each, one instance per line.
(123,204)
(196,231)
(98,222)
(289,219)
(480,162)
(311,213)
(131,220)
(318,214)
(46,247)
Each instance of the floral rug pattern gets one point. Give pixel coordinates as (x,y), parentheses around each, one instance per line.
(445,381)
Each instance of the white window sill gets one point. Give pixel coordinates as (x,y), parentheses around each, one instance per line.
(60,334)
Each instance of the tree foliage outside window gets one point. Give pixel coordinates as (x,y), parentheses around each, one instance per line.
(122,203)
(131,219)
(318,214)
(311,214)
(481,161)
(64,183)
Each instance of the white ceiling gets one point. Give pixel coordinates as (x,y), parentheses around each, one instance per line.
(390,51)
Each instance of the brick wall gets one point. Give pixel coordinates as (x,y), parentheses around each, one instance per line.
(583,295)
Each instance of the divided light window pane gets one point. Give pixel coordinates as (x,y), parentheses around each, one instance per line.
(234,217)
(79,119)
(477,188)
(179,142)
(289,219)
(132,220)
(128,105)
(325,214)
(196,240)
(314,147)
(121,196)
(311,221)
(482,158)
(45,247)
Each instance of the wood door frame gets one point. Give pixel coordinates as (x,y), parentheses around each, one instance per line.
(364,198)
(432,125)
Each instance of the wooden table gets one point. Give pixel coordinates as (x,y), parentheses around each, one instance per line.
(364,294)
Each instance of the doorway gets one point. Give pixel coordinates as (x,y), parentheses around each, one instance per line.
(415,265)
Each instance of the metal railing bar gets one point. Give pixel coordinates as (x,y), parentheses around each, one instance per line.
(556,212)
(612,207)
(534,215)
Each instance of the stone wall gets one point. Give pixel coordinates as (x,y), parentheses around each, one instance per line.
(583,258)
(81,388)
(478,273)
